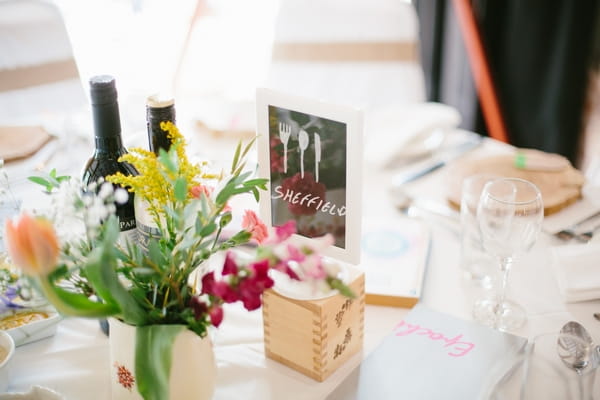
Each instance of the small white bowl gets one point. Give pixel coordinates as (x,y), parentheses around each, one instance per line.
(7,344)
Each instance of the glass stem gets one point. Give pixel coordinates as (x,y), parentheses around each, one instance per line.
(505,264)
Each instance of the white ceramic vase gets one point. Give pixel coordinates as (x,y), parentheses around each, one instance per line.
(193,369)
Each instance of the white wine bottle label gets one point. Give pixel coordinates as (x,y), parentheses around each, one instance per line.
(145,233)
(128,230)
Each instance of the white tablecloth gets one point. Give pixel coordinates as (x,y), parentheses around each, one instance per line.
(75,361)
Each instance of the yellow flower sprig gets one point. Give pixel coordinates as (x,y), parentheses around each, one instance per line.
(152,182)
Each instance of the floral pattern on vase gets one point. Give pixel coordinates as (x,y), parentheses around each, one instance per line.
(193,367)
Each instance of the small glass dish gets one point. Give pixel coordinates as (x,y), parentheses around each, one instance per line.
(34,330)
(35,393)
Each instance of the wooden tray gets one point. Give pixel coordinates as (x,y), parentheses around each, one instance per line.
(559,188)
(18,142)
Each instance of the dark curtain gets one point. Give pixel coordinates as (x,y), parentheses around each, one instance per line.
(540,54)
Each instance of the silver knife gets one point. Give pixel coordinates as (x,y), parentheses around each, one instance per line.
(432,165)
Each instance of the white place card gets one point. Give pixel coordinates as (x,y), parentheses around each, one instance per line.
(432,355)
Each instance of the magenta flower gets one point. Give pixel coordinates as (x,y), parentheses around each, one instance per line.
(218,289)
(253,286)
(216,315)
(283,232)
(198,306)
(230,267)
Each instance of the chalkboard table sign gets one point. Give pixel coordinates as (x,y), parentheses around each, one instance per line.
(311,152)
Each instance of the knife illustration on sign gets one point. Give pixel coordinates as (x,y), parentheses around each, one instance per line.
(317,154)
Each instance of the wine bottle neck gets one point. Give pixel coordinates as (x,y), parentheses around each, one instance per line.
(157,137)
(112,145)
(107,122)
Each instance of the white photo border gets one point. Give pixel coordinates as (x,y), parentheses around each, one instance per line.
(353,118)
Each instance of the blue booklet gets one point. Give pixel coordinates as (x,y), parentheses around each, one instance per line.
(432,355)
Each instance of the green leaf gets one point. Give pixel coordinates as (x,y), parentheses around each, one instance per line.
(256,182)
(344,290)
(59,272)
(225,219)
(174,215)
(208,229)
(224,195)
(236,157)
(102,274)
(153,358)
(155,254)
(41,181)
(180,189)
(241,178)
(249,146)
(76,304)
(240,237)
(166,160)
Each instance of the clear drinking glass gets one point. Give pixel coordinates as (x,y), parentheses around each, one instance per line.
(478,266)
(510,214)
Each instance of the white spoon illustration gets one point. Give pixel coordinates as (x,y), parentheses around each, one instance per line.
(303,142)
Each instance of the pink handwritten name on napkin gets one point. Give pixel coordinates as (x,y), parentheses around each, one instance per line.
(458,348)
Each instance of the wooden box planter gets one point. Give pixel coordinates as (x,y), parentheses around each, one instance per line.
(314,337)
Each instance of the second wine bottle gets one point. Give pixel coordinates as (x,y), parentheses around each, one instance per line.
(158,109)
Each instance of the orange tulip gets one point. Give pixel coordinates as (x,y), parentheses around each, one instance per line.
(32,244)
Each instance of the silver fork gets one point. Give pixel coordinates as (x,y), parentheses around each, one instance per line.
(569,233)
(588,235)
(285,131)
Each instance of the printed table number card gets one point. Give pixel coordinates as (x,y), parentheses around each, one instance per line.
(431,355)
(311,152)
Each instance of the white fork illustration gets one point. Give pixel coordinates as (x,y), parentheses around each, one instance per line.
(285,131)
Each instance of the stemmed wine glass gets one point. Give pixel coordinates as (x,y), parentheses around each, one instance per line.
(510,214)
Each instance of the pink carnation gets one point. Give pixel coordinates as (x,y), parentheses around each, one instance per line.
(255,226)
(198,190)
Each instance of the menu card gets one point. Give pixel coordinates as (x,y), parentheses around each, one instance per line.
(431,355)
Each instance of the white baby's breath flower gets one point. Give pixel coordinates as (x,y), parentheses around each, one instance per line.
(96,212)
(88,200)
(121,196)
(106,191)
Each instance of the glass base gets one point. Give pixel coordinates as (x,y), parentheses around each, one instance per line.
(506,316)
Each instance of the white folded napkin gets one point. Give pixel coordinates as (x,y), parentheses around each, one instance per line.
(578,211)
(577,270)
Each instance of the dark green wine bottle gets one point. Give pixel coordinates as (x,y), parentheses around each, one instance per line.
(109,147)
